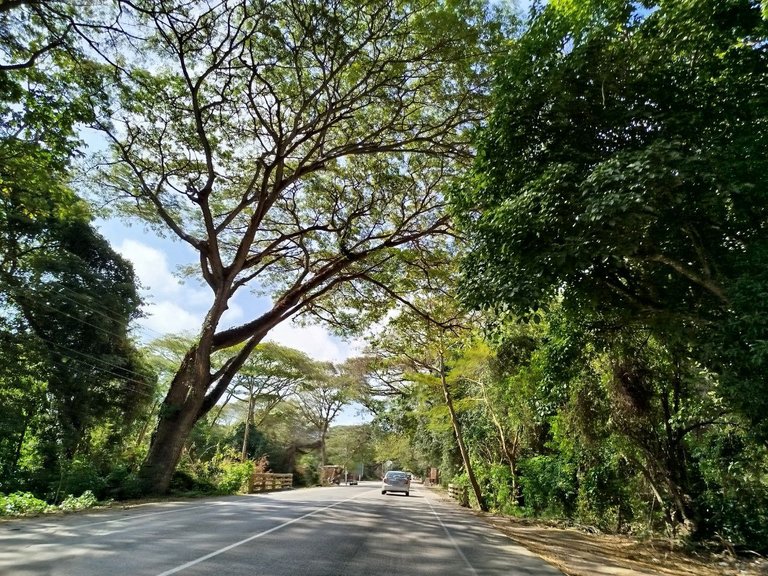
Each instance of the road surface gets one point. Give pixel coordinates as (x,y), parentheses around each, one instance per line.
(335,531)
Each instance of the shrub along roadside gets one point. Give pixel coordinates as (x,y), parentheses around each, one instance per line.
(26,504)
(221,475)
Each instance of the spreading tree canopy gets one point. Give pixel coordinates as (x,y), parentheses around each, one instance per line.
(624,169)
(300,148)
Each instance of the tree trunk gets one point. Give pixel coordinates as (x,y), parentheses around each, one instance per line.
(323,454)
(510,453)
(179,412)
(512,457)
(460,439)
(189,397)
(20,445)
(248,419)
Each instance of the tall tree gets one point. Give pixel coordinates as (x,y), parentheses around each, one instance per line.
(505,380)
(66,297)
(351,447)
(321,398)
(301,147)
(423,345)
(624,168)
(272,374)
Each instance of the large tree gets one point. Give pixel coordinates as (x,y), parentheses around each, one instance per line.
(66,298)
(424,345)
(67,301)
(321,398)
(625,169)
(301,148)
(272,374)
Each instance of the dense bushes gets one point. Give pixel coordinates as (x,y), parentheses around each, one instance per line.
(26,504)
(732,489)
(548,486)
(223,473)
(22,503)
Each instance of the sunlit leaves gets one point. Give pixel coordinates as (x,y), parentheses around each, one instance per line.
(622,167)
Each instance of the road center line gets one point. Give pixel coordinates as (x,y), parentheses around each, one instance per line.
(259,535)
(447,533)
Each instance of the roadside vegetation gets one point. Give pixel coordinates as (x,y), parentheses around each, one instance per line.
(551,230)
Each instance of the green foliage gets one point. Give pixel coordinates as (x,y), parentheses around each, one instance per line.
(73,504)
(607,491)
(616,219)
(71,379)
(26,504)
(221,473)
(624,170)
(308,469)
(233,476)
(81,475)
(21,504)
(122,483)
(352,446)
(734,484)
(549,486)
(498,485)
(259,444)
(192,481)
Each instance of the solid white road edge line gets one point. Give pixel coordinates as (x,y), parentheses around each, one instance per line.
(259,535)
(447,533)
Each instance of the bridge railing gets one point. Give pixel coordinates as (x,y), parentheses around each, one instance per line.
(267,481)
(459,493)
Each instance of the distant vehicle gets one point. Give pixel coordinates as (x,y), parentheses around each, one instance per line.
(396,481)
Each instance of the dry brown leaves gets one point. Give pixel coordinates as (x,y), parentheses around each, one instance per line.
(579,553)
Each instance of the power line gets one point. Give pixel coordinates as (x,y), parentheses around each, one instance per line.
(80,320)
(94,307)
(122,375)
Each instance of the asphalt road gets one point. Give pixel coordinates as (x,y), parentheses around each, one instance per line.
(336,531)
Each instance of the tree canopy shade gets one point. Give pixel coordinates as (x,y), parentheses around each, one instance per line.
(301,148)
(625,169)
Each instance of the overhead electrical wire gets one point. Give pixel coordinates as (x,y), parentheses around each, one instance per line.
(122,374)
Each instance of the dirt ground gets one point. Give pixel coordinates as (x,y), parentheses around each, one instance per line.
(579,553)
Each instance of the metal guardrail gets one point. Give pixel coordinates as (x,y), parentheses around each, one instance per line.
(266,481)
(459,493)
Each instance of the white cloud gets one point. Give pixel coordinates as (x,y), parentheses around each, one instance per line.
(233,314)
(151,267)
(315,341)
(172,306)
(166,317)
